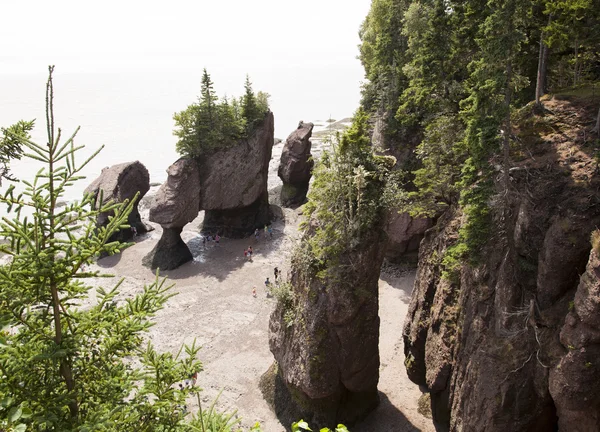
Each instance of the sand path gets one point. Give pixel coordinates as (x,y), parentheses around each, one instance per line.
(216,307)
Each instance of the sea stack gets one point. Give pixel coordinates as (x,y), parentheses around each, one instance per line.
(295,168)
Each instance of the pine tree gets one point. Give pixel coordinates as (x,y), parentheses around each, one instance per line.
(207,102)
(250,111)
(66,366)
(11,147)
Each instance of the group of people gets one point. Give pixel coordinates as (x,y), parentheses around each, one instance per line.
(268,231)
(208,238)
(268,283)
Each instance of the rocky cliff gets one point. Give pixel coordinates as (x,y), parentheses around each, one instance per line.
(510,341)
(233,184)
(326,340)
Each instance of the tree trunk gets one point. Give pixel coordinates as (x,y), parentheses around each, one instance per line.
(598,123)
(576,74)
(542,68)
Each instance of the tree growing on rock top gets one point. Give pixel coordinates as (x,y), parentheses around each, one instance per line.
(332,306)
(209,124)
(69,363)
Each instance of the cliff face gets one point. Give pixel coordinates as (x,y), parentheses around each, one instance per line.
(511,342)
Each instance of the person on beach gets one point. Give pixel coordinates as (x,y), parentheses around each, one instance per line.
(250,252)
(245,253)
(256,234)
(217,238)
(276,272)
(204,241)
(270,230)
(268,284)
(254,291)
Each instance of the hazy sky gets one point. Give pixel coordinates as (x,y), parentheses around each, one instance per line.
(81,36)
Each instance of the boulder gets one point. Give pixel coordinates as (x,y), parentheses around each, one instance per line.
(404,236)
(233,184)
(119,183)
(295,168)
(174,206)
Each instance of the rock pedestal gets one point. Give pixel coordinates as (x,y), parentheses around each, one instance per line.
(119,183)
(170,252)
(174,206)
(326,342)
(233,184)
(295,168)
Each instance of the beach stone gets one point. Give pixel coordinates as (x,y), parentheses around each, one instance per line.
(326,341)
(295,167)
(119,183)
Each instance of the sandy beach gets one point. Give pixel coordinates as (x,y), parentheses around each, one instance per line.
(215,306)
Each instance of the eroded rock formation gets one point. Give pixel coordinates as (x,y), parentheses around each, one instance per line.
(230,184)
(404,236)
(175,205)
(233,184)
(119,183)
(512,342)
(326,342)
(295,168)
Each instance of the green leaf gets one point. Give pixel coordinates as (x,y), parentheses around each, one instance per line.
(14,414)
(20,428)
(26,413)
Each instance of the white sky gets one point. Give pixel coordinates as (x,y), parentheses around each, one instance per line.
(82,36)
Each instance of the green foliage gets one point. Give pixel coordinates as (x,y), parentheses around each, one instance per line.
(441,153)
(11,147)
(447,74)
(68,363)
(210,124)
(301,425)
(284,294)
(346,199)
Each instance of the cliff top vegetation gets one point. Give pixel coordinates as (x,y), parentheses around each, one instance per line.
(210,123)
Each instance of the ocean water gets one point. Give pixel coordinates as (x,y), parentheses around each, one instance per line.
(130,112)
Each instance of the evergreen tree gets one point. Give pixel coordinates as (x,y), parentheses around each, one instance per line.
(11,147)
(250,111)
(66,366)
(207,102)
